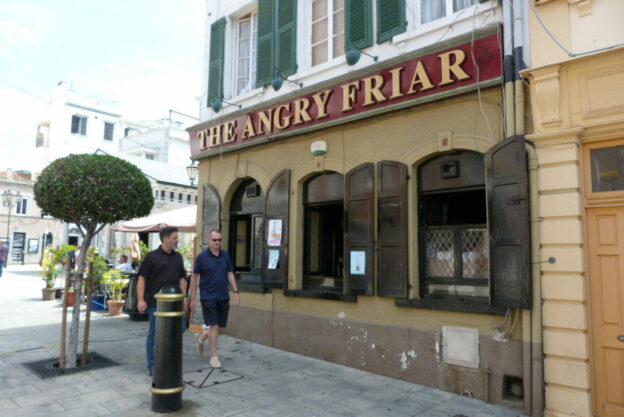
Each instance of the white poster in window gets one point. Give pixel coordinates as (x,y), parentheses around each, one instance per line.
(275,232)
(273,258)
(358,262)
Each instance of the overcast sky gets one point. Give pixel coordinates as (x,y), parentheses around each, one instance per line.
(144,54)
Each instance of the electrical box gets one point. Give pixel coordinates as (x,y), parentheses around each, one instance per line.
(460,346)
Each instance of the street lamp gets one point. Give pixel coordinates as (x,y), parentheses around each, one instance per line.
(7,201)
(192,171)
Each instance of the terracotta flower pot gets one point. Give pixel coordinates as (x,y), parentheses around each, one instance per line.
(71,298)
(115,307)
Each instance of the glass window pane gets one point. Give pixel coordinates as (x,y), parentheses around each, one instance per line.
(242,85)
(338,45)
(319,53)
(338,4)
(462,4)
(319,31)
(338,22)
(607,169)
(432,10)
(440,253)
(475,253)
(319,9)
(461,290)
(244,29)
(243,48)
(243,67)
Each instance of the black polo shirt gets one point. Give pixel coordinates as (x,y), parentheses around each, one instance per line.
(160,268)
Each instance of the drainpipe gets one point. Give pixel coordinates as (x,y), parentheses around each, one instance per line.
(519,65)
(508,70)
(536,347)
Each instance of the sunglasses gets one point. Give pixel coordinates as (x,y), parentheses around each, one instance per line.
(216,240)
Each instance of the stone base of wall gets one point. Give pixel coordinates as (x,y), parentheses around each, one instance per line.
(398,352)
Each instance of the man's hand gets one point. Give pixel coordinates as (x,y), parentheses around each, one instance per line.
(142,306)
(193,304)
(236,299)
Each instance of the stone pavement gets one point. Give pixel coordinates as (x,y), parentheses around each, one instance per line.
(273,382)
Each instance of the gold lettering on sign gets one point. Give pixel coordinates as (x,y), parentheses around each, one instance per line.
(229,135)
(265,121)
(455,68)
(420,77)
(214,136)
(201,136)
(396,82)
(248,130)
(372,88)
(348,95)
(281,122)
(321,103)
(301,111)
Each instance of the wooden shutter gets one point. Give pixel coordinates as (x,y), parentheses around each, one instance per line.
(215,65)
(286,40)
(359,228)
(265,69)
(390,19)
(392,229)
(358,24)
(276,208)
(508,224)
(211,212)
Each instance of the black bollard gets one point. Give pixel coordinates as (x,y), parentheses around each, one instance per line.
(167,385)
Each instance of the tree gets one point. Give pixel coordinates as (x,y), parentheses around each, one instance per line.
(91,191)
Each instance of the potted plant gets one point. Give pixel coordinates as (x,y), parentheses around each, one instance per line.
(51,266)
(115,282)
(100,266)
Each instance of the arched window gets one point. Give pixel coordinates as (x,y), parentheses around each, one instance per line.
(246,226)
(324,232)
(454,250)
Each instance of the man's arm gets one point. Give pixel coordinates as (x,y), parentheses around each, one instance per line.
(232,280)
(193,290)
(142,305)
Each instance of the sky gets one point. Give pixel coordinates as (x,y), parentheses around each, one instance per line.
(144,54)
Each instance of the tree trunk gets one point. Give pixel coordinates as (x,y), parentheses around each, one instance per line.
(85,337)
(62,358)
(75,323)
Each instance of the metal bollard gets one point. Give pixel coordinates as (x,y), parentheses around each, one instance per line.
(167,385)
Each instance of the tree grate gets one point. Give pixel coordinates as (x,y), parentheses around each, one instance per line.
(204,378)
(49,368)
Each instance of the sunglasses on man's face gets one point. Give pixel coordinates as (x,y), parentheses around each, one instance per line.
(216,240)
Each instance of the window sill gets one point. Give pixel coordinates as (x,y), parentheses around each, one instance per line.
(258,289)
(322,294)
(450,305)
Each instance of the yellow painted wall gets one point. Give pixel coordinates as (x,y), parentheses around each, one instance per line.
(408,136)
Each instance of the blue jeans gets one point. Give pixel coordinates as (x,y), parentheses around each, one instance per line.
(1,266)
(151,336)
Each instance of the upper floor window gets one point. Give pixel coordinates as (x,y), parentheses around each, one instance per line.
(79,125)
(149,156)
(431,10)
(180,197)
(188,199)
(129,131)
(171,196)
(246,40)
(327,30)
(108,130)
(22,206)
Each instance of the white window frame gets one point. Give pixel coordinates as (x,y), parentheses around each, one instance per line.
(330,33)
(19,208)
(106,123)
(253,62)
(82,123)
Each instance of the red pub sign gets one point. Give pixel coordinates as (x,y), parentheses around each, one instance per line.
(462,65)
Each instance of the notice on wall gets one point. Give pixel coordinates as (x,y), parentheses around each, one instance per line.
(273,258)
(275,232)
(358,262)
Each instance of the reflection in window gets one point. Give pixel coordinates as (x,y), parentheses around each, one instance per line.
(327,30)
(607,169)
(247,32)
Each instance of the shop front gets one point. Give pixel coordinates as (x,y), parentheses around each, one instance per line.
(380,220)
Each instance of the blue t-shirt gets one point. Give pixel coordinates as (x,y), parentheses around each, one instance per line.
(213,272)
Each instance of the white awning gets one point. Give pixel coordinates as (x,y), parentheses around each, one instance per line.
(182,218)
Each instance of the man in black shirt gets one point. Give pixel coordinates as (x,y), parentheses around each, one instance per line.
(163,266)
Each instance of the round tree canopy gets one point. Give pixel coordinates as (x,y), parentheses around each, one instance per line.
(92,189)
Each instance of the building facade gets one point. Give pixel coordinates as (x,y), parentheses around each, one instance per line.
(577,104)
(366,164)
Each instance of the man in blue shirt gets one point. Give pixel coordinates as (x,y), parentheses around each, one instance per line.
(214,269)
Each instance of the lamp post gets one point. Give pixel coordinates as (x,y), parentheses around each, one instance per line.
(7,201)
(192,171)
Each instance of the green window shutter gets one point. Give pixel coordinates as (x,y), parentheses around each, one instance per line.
(215,66)
(358,24)
(286,41)
(265,70)
(390,19)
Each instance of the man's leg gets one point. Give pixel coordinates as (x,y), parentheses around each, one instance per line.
(1,265)
(213,334)
(151,335)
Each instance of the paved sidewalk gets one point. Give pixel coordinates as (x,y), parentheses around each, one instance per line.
(273,382)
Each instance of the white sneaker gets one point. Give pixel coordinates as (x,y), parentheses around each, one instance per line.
(215,363)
